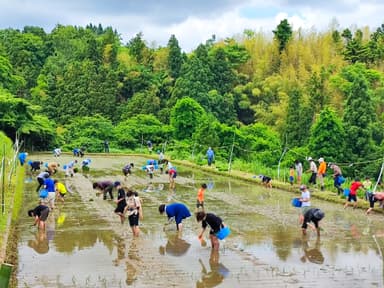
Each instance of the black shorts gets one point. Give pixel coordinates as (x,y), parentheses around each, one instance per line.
(199,204)
(127,172)
(120,207)
(371,199)
(44,214)
(352,198)
(134,219)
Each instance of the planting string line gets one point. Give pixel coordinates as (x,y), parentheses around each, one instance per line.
(378,178)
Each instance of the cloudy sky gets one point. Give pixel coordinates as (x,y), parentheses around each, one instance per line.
(191,21)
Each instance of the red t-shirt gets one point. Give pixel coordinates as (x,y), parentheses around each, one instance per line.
(354,186)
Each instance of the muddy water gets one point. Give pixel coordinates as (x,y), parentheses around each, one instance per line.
(85,244)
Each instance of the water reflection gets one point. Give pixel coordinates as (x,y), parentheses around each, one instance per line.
(175,246)
(40,243)
(216,274)
(281,239)
(312,254)
(120,246)
(132,262)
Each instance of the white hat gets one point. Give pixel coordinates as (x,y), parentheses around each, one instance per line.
(321,159)
(309,159)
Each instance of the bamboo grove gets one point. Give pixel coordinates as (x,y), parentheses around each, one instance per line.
(309,92)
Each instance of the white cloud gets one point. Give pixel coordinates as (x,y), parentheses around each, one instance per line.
(193,22)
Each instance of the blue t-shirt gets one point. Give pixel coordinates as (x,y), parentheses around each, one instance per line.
(50,185)
(177,210)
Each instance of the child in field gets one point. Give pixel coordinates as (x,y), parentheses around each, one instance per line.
(367,184)
(312,215)
(61,190)
(172,176)
(215,223)
(105,187)
(266,181)
(200,196)
(305,200)
(135,211)
(127,169)
(291,175)
(57,152)
(40,213)
(35,165)
(53,167)
(356,185)
(120,201)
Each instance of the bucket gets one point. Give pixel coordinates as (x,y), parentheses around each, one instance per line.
(346,192)
(296,202)
(223,233)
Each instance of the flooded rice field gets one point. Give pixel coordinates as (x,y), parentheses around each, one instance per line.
(85,245)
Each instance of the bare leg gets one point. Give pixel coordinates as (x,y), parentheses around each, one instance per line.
(214,242)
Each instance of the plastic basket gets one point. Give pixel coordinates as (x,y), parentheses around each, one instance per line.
(296,202)
(223,233)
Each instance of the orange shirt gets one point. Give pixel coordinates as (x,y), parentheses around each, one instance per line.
(200,195)
(322,168)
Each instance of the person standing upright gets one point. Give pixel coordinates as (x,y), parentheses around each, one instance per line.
(149,146)
(106,146)
(321,172)
(313,170)
(305,200)
(120,201)
(200,196)
(210,156)
(299,171)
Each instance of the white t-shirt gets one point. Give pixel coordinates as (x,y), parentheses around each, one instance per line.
(313,167)
(299,169)
(305,195)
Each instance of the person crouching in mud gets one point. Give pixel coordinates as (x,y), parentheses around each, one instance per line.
(312,215)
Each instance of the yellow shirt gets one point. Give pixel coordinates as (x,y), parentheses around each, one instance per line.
(60,187)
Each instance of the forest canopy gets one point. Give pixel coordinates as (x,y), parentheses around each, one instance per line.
(252,96)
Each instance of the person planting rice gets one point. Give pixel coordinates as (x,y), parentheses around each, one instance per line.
(312,215)
(215,223)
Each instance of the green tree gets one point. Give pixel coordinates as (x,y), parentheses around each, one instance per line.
(194,82)
(136,130)
(283,34)
(19,116)
(355,50)
(89,132)
(185,118)
(293,128)
(223,79)
(175,57)
(327,137)
(358,117)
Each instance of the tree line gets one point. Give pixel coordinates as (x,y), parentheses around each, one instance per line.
(312,93)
